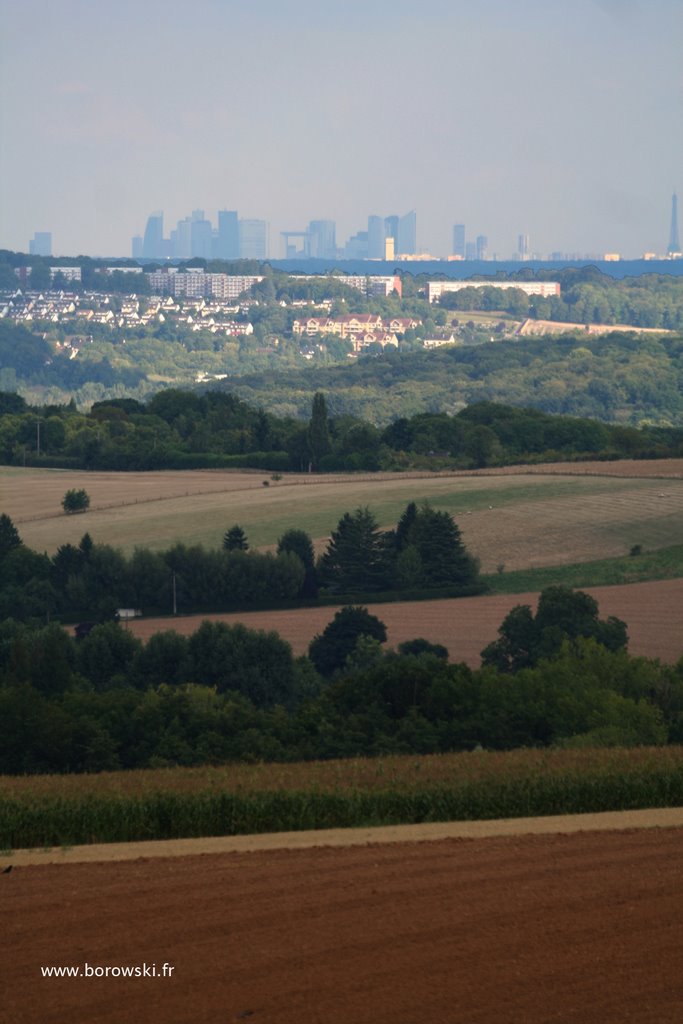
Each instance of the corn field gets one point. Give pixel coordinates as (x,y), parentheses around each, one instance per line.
(47,811)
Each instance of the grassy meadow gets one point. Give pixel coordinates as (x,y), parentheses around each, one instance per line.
(667,563)
(518,520)
(242,799)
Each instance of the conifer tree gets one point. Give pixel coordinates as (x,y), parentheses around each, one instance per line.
(318,430)
(357,557)
(235,539)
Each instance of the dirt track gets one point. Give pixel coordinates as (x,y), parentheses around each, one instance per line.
(652,611)
(581,928)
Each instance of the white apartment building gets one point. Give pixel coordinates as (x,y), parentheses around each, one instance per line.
(197,283)
(546,289)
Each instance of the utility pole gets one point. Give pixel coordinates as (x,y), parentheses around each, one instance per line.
(175,603)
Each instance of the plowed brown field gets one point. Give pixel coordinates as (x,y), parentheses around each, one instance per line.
(582,928)
(653,613)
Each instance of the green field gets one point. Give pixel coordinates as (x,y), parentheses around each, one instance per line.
(655,565)
(176,803)
(522,521)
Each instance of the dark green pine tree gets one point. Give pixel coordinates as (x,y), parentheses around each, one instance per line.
(9,536)
(235,539)
(357,559)
(404,526)
(318,431)
(445,560)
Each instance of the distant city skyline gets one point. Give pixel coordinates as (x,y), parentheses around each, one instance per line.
(236,238)
(390,237)
(528,119)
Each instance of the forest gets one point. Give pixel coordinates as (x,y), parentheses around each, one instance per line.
(187,430)
(561,677)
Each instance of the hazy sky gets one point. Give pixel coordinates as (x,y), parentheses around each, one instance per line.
(562,120)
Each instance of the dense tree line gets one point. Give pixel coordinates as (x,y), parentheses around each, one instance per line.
(91,581)
(228,693)
(186,430)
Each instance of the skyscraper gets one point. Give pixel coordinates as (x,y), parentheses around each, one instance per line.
(375,237)
(182,247)
(459,240)
(674,241)
(200,235)
(253,239)
(523,247)
(357,247)
(321,239)
(391,227)
(228,244)
(153,242)
(41,244)
(482,247)
(406,242)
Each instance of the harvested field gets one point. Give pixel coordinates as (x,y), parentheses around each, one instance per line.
(581,928)
(652,611)
(522,517)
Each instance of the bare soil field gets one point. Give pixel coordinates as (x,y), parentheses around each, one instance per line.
(652,611)
(522,517)
(583,928)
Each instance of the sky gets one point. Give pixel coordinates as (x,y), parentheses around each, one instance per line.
(558,120)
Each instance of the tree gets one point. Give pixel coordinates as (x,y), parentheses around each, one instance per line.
(318,430)
(329,650)
(76,500)
(421,646)
(435,537)
(357,556)
(562,614)
(163,659)
(255,663)
(9,536)
(107,654)
(235,539)
(298,542)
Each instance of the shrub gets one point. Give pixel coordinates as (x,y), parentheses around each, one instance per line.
(76,500)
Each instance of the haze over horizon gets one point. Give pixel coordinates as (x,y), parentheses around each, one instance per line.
(560,123)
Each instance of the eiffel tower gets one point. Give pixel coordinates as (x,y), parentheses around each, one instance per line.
(674,242)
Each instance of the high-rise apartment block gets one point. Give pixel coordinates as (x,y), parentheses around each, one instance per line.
(435,289)
(196,284)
